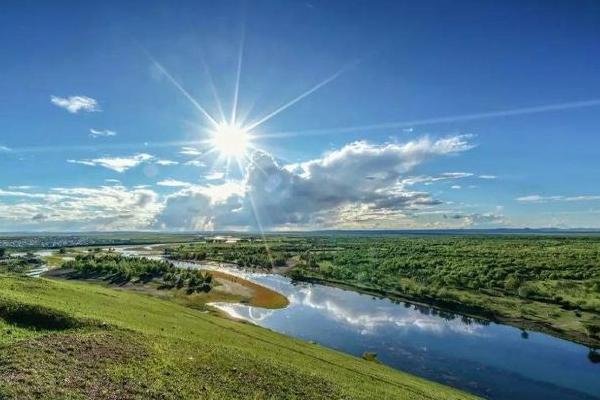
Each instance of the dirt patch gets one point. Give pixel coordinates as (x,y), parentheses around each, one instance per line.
(70,365)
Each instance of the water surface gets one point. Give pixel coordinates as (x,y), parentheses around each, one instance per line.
(492,360)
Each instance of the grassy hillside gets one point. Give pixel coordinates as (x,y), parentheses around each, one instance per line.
(73,340)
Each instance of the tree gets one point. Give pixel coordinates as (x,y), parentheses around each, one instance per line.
(512,283)
(180,282)
(592,330)
(2,252)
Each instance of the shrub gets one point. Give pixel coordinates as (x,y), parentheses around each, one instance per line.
(525,291)
(592,329)
(512,283)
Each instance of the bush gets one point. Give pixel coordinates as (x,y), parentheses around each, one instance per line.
(512,283)
(592,330)
(525,291)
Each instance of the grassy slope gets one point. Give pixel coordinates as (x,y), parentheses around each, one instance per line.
(145,347)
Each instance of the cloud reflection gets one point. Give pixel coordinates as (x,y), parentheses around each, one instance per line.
(360,313)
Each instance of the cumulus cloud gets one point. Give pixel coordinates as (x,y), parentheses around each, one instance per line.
(190,151)
(16,193)
(102,133)
(360,176)
(166,162)
(428,180)
(74,104)
(195,163)
(85,208)
(21,187)
(118,164)
(173,183)
(213,176)
(535,198)
(206,208)
(358,185)
(477,219)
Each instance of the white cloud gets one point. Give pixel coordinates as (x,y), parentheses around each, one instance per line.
(74,104)
(358,185)
(21,187)
(215,176)
(487,176)
(535,198)
(102,133)
(360,178)
(4,149)
(166,162)
(429,180)
(190,151)
(17,193)
(455,187)
(195,163)
(173,183)
(83,208)
(118,164)
(456,175)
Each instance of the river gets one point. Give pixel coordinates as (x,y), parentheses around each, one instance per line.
(492,360)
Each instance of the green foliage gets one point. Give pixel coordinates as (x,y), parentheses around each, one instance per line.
(19,264)
(247,254)
(512,283)
(525,291)
(564,270)
(107,263)
(120,268)
(592,329)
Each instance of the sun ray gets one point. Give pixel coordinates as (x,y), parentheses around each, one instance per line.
(238,75)
(213,88)
(186,94)
(438,120)
(301,96)
(259,225)
(389,125)
(258,167)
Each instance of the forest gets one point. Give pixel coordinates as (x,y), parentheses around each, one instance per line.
(117,268)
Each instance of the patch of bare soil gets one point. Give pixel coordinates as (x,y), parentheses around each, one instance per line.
(67,364)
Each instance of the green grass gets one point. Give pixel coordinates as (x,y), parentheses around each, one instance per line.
(125,345)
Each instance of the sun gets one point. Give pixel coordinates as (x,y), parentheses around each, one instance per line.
(230,140)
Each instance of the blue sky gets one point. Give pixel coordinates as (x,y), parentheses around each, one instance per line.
(437,114)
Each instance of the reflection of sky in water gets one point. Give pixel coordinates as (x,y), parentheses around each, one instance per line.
(491,360)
